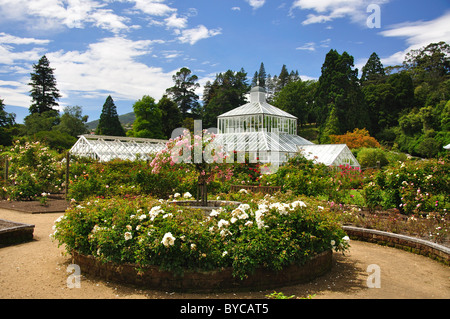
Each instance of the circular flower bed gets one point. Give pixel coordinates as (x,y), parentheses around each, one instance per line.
(261,234)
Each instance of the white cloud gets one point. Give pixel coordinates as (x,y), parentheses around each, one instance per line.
(312,46)
(256,4)
(312,18)
(194,35)
(176,22)
(153,7)
(15,93)
(417,35)
(236,8)
(307,78)
(107,20)
(11,39)
(110,66)
(54,14)
(328,10)
(10,57)
(171,54)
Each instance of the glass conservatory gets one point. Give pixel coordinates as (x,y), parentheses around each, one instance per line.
(263,131)
(106,148)
(269,134)
(330,154)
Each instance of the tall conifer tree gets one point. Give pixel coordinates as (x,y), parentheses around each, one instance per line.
(373,70)
(339,88)
(44,93)
(262,76)
(109,123)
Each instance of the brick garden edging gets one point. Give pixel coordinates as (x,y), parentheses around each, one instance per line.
(210,281)
(412,244)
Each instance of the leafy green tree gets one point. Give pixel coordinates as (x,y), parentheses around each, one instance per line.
(338,87)
(430,64)
(331,126)
(386,99)
(283,78)
(7,120)
(445,117)
(271,87)
(109,123)
(44,93)
(294,76)
(295,99)
(259,78)
(224,94)
(73,122)
(56,140)
(262,76)
(170,115)
(183,92)
(255,79)
(148,122)
(37,122)
(373,70)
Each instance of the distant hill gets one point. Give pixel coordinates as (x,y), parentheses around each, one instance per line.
(125,119)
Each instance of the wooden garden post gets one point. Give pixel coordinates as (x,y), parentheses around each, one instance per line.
(67,174)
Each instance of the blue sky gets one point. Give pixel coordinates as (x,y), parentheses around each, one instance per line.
(131,48)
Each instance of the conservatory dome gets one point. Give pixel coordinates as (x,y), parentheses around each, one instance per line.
(260,129)
(269,134)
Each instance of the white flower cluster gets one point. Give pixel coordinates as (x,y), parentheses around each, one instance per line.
(187,195)
(168,239)
(55,230)
(345,242)
(155,211)
(243,212)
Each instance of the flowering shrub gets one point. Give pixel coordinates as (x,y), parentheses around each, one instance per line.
(91,178)
(304,177)
(33,169)
(356,139)
(144,231)
(369,157)
(127,178)
(199,153)
(411,186)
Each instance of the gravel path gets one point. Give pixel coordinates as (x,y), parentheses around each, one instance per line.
(37,269)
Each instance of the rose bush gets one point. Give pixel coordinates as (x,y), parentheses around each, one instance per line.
(198,153)
(264,232)
(33,169)
(411,186)
(126,178)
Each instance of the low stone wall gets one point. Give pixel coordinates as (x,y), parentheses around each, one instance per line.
(14,233)
(412,244)
(220,280)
